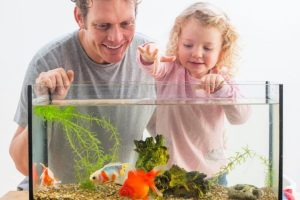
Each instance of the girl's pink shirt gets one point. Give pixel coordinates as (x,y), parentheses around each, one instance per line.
(194,133)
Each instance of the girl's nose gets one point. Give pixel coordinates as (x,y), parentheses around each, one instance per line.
(197,53)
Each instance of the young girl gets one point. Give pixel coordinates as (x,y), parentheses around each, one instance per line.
(200,51)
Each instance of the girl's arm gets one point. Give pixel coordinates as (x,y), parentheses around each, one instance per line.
(236,113)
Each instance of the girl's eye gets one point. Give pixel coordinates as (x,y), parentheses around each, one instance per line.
(208,48)
(188,45)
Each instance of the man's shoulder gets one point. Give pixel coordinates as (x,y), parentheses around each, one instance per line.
(57,45)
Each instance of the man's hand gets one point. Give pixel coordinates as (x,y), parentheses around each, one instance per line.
(58,81)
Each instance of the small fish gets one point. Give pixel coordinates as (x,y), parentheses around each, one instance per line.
(47,177)
(35,176)
(137,185)
(112,172)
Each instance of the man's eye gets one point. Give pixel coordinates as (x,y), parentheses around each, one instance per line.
(102,26)
(127,24)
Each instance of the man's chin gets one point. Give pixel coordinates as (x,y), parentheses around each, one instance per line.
(114,59)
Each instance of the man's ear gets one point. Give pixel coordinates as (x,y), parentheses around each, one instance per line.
(79,18)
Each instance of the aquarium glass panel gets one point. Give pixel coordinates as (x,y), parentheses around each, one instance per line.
(97,140)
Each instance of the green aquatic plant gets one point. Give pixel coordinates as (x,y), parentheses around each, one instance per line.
(88,152)
(151,153)
(269,171)
(237,159)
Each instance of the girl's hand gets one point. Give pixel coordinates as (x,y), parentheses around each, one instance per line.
(212,83)
(149,54)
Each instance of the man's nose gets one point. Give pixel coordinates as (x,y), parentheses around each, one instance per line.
(115,34)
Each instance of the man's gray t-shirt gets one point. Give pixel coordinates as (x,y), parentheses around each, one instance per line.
(130,121)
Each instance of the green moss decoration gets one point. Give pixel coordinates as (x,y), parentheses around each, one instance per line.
(151,153)
(88,152)
(177,182)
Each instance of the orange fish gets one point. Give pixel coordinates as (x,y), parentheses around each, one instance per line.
(35,176)
(47,177)
(137,185)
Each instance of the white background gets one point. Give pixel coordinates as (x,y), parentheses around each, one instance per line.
(270,38)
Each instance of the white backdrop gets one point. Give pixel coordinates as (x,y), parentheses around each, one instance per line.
(270,38)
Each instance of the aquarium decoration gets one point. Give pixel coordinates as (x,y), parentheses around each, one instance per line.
(151,153)
(87,149)
(244,192)
(176,182)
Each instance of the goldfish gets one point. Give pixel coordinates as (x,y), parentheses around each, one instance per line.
(35,176)
(112,172)
(137,184)
(47,177)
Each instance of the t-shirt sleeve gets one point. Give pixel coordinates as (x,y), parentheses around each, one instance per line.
(21,114)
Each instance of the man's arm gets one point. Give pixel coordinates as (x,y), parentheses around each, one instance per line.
(18,150)
(58,81)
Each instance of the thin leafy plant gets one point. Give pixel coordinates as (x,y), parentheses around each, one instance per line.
(87,149)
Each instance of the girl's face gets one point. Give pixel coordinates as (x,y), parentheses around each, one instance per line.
(199,47)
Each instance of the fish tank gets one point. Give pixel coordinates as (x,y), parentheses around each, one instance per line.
(134,140)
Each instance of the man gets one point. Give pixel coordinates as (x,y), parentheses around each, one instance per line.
(103,49)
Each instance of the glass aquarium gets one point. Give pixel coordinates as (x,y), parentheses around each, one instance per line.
(169,141)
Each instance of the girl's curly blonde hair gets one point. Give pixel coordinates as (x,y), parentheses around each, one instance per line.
(208,16)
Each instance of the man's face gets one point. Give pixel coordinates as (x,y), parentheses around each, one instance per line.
(109,29)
